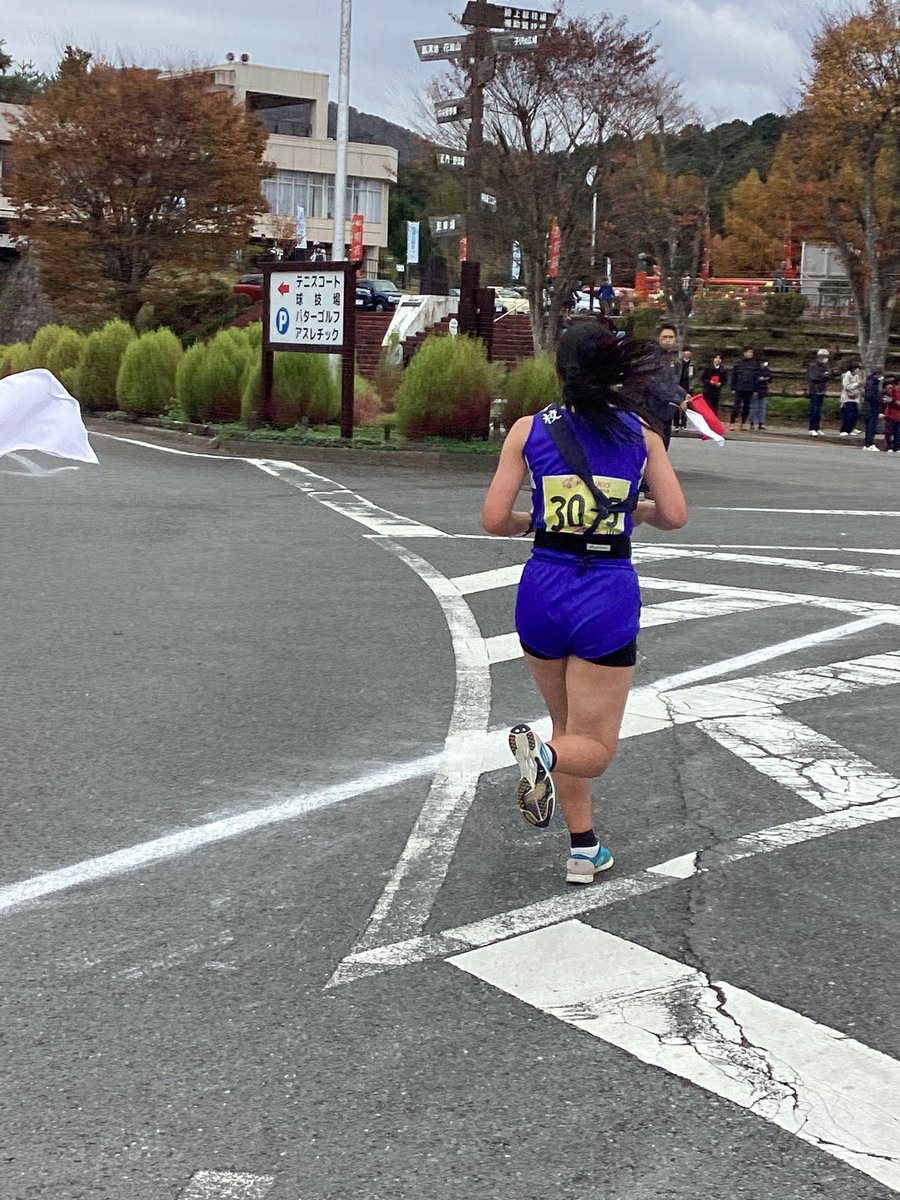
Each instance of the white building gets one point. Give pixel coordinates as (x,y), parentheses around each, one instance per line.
(6,209)
(294,107)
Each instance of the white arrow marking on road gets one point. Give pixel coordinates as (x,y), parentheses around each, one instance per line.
(227,1185)
(818,1084)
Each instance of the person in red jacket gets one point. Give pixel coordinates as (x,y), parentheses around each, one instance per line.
(891,414)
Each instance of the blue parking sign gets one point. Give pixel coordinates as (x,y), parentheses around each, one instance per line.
(282,321)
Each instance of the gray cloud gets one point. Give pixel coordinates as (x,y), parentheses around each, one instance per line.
(732,60)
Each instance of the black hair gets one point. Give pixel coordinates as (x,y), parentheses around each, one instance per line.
(604,373)
(666,325)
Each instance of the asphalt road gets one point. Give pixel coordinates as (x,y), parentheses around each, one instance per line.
(269,916)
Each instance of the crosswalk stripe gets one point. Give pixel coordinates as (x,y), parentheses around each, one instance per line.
(227,1185)
(818,769)
(815,1082)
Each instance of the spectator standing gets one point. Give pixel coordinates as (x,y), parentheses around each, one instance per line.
(685,368)
(758,403)
(713,378)
(817,375)
(892,415)
(872,397)
(851,393)
(743,384)
(662,395)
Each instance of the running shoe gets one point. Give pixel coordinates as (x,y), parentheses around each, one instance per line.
(582,869)
(535,795)
(875,448)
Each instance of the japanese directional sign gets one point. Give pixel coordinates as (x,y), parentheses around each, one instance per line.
(510,42)
(459,109)
(508,16)
(435,49)
(450,158)
(450,226)
(306,309)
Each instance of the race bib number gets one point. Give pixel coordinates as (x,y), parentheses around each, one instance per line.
(569,506)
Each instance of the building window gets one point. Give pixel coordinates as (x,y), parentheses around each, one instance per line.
(290,190)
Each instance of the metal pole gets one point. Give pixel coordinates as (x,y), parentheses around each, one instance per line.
(343,135)
(594,231)
(475,141)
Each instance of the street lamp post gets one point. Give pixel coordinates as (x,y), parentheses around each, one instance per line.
(343,136)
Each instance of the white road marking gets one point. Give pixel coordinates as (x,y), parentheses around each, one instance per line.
(173,845)
(817,1083)
(544,913)
(341,500)
(33,470)
(807,762)
(877,799)
(408,897)
(487,581)
(805,512)
(798,549)
(793,564)
(227,1185)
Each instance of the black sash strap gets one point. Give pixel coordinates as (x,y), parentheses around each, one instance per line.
(572,453)
(618,546)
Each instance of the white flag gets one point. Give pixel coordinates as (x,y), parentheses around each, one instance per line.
(37,413)
(699,423)
(301,227)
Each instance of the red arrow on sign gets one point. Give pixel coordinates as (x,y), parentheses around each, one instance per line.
(284,288)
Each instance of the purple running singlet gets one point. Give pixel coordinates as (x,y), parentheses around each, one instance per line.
(569,603)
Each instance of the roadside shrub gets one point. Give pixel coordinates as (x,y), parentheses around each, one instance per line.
(529,387)
(210,378)
(367,405)
(785,308)
(43,343)
(447,389)
(99,368)
(193,309)
(713,311)
(303,386)
(146,380)
(66,352)
(15,358)
(389,372)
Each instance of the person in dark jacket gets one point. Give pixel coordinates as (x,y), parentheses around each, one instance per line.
(872,400)
(713,378)
(818,375)
(662,396)
(758,404)
(684,368)
(743,384)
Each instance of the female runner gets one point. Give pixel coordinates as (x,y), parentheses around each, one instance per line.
(578,604)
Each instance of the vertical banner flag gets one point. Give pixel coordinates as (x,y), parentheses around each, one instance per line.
(356,237)
(516,261)
(301,227)
(463,249)
(412,242)
(553,270)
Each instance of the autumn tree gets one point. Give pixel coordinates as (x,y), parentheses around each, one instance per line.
(120,172)
(848,145)
(550,117)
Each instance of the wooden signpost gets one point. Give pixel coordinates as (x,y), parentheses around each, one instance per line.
(310,307)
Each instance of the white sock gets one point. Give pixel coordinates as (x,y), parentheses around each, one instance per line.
(585,851)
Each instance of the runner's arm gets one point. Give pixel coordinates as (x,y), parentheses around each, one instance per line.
(498,516)
(668,508)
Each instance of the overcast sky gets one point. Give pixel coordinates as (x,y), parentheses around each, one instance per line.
(733,59)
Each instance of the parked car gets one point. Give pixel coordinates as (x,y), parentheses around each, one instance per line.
(377,295)
(511,300)
(250,285)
